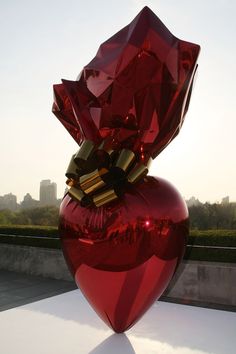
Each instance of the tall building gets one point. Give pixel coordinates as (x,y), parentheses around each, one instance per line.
(8,201)
(47,193)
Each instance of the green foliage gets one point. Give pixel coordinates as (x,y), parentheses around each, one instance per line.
(212,238)
(29,235)
(210,254)
(212,232)
(7,217)
(48,237)
(202,217)
(47,215)
(213,216)
(211,225)
(35,241)
(226,238)
(29,230)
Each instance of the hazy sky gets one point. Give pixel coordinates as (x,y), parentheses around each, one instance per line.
(44,41)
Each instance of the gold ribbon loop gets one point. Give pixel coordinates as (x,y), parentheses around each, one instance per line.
(125,159)
(137,173)
(76,193)
(71,182)
(84,152)
(93,181)
(105,197)
(72,169)
(100,175)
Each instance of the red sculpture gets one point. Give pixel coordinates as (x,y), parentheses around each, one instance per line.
(122,235)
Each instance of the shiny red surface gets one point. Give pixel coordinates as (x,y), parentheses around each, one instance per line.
(123,255)
(136,90)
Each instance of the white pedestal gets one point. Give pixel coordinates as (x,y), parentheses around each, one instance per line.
(65,324)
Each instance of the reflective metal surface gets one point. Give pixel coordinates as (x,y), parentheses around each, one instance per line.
(135,91)
(123,255)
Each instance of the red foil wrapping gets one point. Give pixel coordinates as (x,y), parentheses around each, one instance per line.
(135,92)
(123,255)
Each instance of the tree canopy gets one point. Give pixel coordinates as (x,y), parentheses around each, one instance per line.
(47,216)
(202,216)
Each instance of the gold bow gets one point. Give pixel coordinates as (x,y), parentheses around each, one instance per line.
(96,175)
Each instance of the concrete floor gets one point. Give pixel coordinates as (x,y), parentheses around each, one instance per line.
(18,289)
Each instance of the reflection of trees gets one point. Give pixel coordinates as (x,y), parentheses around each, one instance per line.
(125,246)
(142,227)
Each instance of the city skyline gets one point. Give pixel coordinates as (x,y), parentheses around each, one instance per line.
(48,41)
(224,199)
(47,197)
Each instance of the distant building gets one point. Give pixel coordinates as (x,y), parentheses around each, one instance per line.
(47,197)
(8,201)
(225,200)
(28,202)
(47,193)
(193,202)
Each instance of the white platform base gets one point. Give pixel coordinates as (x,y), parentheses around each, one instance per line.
(65,324)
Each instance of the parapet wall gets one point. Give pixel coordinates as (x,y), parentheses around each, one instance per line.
(200,283)
(208,284)
(46,262)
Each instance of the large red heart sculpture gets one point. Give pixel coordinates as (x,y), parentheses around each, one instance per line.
(124,108)
(123,254)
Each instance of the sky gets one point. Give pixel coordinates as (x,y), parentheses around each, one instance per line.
(44,41)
